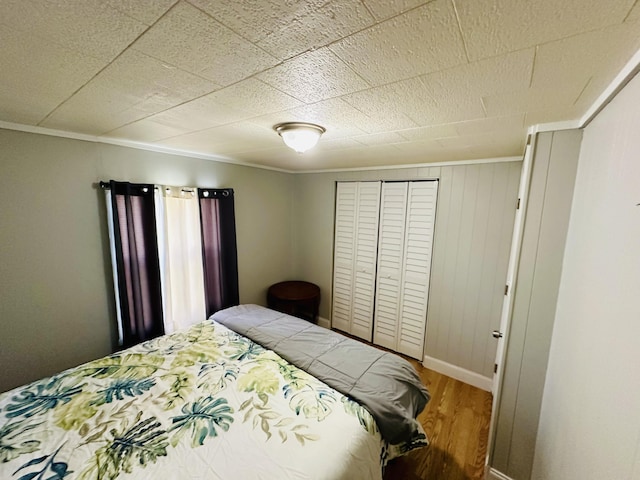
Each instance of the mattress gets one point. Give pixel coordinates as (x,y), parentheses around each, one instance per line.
(386,384)
(204,403)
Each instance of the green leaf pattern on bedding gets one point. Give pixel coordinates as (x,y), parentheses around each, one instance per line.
(201,418)
(39,398)
(135,443)
(214,377)
(363,415)
(121,388)
(46,465)
(14,442)
(130,409)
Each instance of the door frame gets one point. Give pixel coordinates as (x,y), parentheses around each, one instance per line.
(507,304)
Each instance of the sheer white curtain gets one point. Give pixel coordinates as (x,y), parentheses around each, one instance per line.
(180,252)
(114,266)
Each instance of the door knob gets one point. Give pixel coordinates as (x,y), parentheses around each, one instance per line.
(497,334)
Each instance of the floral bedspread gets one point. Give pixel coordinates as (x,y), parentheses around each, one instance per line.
(204,403)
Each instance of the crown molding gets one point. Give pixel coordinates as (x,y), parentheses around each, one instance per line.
(132,144)
(416,165)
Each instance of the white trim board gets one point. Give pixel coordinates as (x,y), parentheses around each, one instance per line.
(494,474)
(631,68)
(624,76)
(477,161)
(131,144)
(323,322)
(467,376)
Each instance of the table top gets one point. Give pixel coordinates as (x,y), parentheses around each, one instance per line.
(294,290)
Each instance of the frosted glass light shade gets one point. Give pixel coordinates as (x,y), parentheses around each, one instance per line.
(299,136)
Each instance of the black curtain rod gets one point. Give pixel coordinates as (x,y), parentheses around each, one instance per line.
(107,186)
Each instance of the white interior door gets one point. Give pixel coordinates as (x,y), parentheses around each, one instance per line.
(507,304)
(511,271)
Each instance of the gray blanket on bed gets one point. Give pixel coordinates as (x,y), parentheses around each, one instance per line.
(387,385)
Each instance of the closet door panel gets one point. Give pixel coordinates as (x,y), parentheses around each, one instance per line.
(366,236)
(382,261)
(355,253)
(393,202)
(420,222)
(344,251)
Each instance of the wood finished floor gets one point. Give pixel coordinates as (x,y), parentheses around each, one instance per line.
(456,420)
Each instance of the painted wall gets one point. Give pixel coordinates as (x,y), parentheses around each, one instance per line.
(56,295)
(590,420)
(474,221)
(474,224)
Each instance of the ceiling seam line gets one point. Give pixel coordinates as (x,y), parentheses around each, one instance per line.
(230,29)
(533,65)
(630,10)
(464,43)
(48,115)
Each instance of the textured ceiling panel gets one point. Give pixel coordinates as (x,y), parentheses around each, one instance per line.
(196,43)
(402,46)
(634,14)
(314,76)
(499,74)
(316,29)
(457,93)
(147,130)
(494,27)
(490,125)
(255,19)
(394,82)
(254,97)
(384,138)
(145,11)
(88,27)
(30,90)
(243,136)
(537,115)
(430,133)
(382,105)
(565,64)
(198,114)
(383,9)
(132,87)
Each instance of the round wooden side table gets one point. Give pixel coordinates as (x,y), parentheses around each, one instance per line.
(295,297)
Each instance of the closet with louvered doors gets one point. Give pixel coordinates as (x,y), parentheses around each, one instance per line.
(355,255)
(405,243)
(382,261)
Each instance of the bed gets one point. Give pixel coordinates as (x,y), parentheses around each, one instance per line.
(211,402)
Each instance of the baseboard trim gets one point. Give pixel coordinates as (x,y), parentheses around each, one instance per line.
(494,474)
(324,322)
(459,373)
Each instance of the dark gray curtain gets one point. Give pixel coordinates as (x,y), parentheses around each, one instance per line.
(220,257)
(137,261)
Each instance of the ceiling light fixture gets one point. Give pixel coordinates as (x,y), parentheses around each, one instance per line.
(299,136)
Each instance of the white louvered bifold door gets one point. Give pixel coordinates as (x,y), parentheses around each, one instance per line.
(418,246)
(391,243)
(355,254)
(343,255)
(366,252)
